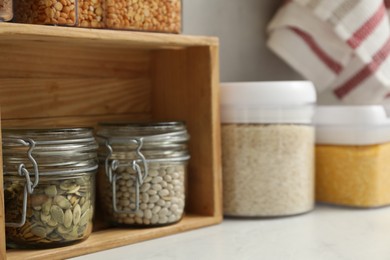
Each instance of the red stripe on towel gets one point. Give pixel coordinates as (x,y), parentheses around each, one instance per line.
(387,4)
(367,28)
(364,73)
(321,54)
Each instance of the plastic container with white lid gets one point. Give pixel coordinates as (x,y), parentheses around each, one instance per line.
(268,148)
(352,154)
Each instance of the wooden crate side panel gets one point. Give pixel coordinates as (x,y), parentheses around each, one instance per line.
(61,97)
(186,88)
(2,215)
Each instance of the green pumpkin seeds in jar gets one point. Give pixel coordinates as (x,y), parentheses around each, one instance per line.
(49,186)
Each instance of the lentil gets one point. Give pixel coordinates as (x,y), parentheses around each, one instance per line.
(55,12)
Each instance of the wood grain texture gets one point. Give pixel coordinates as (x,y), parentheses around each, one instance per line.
(86,121)
(43,59)
(60,97)
(2,215)
(186,88)
(29,33)
(112,238)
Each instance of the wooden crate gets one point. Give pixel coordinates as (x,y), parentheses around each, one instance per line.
(68,76)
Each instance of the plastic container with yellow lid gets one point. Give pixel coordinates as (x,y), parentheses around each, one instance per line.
(352,156)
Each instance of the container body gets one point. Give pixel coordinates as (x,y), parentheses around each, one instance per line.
(91,13)
(143,170)
(268,141)
(143,15)
(352,155)
(355,176)
(6,10)
(49,186)
(268,169)
(140,15)
(59,211)
(50,12)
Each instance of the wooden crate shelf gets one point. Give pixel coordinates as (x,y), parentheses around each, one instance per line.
(51,76)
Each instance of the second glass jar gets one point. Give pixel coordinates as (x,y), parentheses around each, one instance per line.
(142,174)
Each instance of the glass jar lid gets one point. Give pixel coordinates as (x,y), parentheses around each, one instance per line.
(160,140)
(50,151)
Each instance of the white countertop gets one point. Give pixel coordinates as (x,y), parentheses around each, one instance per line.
(326,233)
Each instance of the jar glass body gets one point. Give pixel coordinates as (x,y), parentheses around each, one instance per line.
(160,199)
(155,16)
(59,211)
(54,12)
(49,186)
(6,10)
(141,15)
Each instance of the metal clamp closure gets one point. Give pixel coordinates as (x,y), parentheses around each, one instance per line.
(29,185)
(140,175)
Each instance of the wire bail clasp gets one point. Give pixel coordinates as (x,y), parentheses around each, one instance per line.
(29,185)
(112,165)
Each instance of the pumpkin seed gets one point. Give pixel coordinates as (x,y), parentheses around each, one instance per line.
(51,191)
(68,218)
(45,218)
(74,190)
(76,214)
(85,206)
(39,231)
(46,207)
(84,218)
(69,186)
(63,230)
(62,202)
(52,223)
(57,214)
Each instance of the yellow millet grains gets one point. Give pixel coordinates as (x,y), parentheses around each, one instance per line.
(357,176)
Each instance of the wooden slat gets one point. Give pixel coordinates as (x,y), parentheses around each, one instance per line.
(2,215)
(40,98)
(198,104)
(40,59)
(54,35)
(112,238)
(86,121)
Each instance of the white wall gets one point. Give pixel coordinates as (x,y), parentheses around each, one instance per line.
(241,27)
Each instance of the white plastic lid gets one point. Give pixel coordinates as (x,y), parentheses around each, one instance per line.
(352,125)
(267,102)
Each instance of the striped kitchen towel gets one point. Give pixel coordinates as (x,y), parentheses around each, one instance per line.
(343,45)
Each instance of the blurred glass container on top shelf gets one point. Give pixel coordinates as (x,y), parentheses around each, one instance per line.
(138,15)
(6,10)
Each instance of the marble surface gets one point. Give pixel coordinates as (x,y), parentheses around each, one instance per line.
(326,233)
